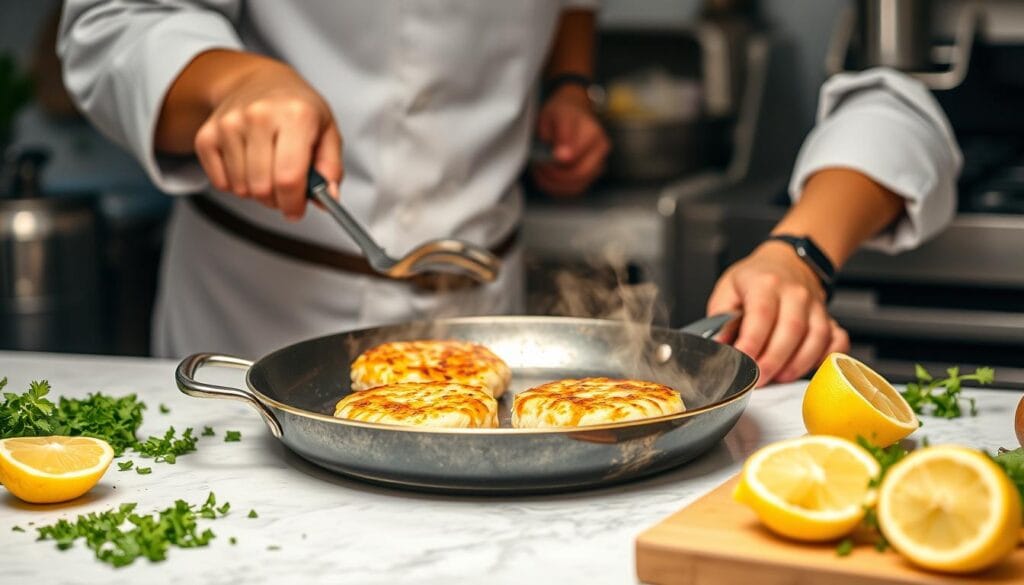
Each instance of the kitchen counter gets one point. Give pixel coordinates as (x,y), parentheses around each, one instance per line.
(331,530)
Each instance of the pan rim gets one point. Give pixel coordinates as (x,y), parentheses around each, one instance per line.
(307,414)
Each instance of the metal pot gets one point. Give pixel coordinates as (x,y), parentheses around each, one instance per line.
(49,297)
(659,150)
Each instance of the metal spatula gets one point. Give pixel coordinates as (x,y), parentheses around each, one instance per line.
(442,255)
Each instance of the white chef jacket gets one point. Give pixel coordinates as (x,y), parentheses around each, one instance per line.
(435,100)
(888,126)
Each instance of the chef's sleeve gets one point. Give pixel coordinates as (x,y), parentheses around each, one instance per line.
(889,127)
(119,60)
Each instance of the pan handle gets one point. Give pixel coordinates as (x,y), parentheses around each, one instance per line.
(187,383)
(710,326)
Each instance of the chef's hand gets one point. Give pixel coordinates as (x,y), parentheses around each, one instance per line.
(265,131)
(785,327)
(578,143)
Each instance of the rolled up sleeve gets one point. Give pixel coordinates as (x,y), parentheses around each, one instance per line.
(889,127)
(119,60)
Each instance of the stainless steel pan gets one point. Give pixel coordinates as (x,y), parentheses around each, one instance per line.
(295,390)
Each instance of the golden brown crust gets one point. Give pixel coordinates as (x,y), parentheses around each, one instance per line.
(432,404)
(592,401)
(460,362)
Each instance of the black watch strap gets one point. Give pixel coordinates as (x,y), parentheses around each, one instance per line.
(553,83)
(813,257)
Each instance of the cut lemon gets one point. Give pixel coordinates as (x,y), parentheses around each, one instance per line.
(847,399)
(949,509)
(813,488)
(44,470)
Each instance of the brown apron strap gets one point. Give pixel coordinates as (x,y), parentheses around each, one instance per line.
(329,257)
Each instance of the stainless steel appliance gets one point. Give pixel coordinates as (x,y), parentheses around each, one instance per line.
(956,300)
(49,265)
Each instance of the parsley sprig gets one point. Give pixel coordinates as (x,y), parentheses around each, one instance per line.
(120,536)
(941,396)
(30,414)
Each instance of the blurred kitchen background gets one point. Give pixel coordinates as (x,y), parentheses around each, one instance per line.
(706,103)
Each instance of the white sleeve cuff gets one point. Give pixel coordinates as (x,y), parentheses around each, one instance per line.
(888,127)
(177,44)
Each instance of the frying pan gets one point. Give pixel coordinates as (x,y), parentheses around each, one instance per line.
(295,390)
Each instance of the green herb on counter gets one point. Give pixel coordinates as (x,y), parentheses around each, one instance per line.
(28,414)
(253,514)
(233,540)
(232,436)
(1012,463)
(17,529)
(125,465)
(845,547)
(143,470)
(224,509)
(167,448)
(273,547)
(208,432)
(31,414)
(886,457)
(941,396)
(164,409)
(120,536)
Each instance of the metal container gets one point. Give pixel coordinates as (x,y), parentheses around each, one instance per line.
(295,390)
(49,299)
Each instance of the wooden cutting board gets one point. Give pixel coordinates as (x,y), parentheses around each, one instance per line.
(716,541)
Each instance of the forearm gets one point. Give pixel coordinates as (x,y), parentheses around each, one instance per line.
(197,91)
(572,51)
(839,210)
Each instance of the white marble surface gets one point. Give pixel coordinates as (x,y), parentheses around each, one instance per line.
(333,530)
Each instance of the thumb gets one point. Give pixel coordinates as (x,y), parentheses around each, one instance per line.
(725,298)
(327,157)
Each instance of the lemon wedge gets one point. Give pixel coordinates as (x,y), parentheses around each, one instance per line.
(44,470)
(949,509)
(813,488)
(847,399)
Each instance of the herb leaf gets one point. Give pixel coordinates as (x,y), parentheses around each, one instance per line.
(143,470)
(208,432)
(167,448)
(125,465)
(845,547)
(941,397)
(232,436)
(120,536)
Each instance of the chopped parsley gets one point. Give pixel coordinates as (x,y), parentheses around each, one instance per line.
(143,470)
(208,432)
(17,529)
(232,436)
(845,547)
(120,536)
(164,409)
(167,448)
(125,465)
(253,514)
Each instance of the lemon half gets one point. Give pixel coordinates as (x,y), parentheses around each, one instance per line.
(813,488)
(847,399)
(949,509)
(44,470)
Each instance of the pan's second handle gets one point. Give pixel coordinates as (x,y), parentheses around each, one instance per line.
(187,383)
(709,326)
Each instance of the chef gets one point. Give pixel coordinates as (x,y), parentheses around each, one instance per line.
(880,167)
(433,102)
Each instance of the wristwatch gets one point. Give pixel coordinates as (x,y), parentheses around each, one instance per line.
(813,257)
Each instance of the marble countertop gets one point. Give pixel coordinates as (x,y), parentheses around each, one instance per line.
(333,530)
